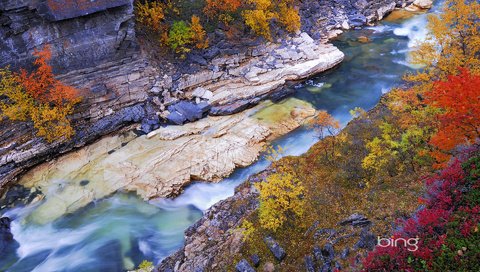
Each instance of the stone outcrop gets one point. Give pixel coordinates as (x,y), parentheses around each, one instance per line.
(161,163)
(211,241)
(6,237)
(81,33)
(95,49)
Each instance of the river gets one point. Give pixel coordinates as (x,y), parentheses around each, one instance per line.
(122,230)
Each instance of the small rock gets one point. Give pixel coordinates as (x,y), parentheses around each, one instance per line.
(424,4)
(255,260)
(268,267)
(328,252)
(326,268)
(363,39)
(317,252)
(309,264)
(367,240)
(356,220)
(275,248)
(345,253)
(244,266)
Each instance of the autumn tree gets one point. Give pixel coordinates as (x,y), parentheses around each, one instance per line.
(39,97)
(260,14)
(199,35)
(150,14)
(324,124)
(453,41)
(281,198)
(288,16)
(458,99)
(417,113)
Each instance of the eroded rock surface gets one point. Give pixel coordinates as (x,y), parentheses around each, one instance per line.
(161,163)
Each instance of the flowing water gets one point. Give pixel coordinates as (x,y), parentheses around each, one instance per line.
(122,230)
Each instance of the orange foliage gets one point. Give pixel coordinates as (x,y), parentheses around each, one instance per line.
(324,122)
(42,85)
(199,34)
(40,98)
(214,8)
(459,120)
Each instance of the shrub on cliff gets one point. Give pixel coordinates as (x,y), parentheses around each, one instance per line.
(260,14)
(179,36)
(281,197)
(39,97)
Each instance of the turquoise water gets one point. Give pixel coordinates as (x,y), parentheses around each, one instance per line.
(121,231)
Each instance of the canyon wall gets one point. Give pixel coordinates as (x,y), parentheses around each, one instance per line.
(95,49)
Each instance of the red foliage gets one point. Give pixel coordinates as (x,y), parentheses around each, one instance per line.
(444,203)
(459,99)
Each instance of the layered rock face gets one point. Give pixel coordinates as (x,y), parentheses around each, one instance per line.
(81,33)
(95,50)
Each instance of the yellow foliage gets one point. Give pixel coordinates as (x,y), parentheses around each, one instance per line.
(247,230)
(51,122)
(281,197)
(258,20)
(150,14)
(289,17)
(263,11)
(21,103)
(199,34)
(453,42)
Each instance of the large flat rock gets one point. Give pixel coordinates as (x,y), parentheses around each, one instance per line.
(161,163)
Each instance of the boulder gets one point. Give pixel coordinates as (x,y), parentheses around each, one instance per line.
(275,248)
(6,237)
(187,111)
(244,266)
(424,4)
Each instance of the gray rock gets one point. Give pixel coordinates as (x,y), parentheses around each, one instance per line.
(309,266)
(328,252)
(176,118)
(229,109)
(6,237)
(244,266)
(275,248)
(345,253)
(255,260)
(356,220)
(79,32)
(367,240)
(185,110)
